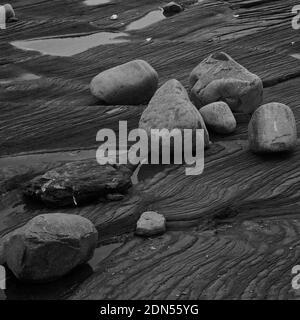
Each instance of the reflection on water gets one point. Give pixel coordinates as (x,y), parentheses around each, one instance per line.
(296,55)
(95,2)
(149,19)
(22,77)
(70,45)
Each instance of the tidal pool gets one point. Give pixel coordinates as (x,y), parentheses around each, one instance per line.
(149,19)
(70,45)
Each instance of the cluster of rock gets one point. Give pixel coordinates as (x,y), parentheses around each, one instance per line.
(49,246)
(219,87)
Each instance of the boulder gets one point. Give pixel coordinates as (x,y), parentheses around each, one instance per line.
(272,128)
(218,117)
(220,78)
(171,108)
(150,224)
(78,182)
(49,246)
(131,83)
(171,8)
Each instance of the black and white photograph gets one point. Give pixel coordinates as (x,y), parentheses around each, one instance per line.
(149,154)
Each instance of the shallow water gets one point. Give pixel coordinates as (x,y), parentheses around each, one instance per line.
(95,2)
(22,77)
(70,45)
(149,19)
(296,55)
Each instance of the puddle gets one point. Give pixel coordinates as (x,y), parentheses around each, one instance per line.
(149,19)
(22,77)
(296,55)
(101,253)
(67,46)
(95,2)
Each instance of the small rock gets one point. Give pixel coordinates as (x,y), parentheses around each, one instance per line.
(151,223)
(218,117)
(10,13)
(172,8)
(78,182)
(171,108)
(220,78)
(114,17)
(50,246)
(131,83)
(272,128)
(115,196)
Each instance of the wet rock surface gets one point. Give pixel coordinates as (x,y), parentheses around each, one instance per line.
(220,78)
(49,246)
(272,129)
(218,117)
(131,83)
(78,182)
(150,224)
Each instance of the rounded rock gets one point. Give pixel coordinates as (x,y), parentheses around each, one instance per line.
(220,78)
(151,223)
(272,128)
(49,246)
(218,117)
(132,83)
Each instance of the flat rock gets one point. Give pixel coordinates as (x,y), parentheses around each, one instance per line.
(220,78)
(272,128)
(150,223)
(218,117)
(78,182)
(171,108)
(49,246)
(131,83)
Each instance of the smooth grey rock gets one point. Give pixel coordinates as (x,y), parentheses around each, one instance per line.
(171,108)
(218,117)
(78,182)
(220,78)
(131,83)
(49,246)
(272,128)
(151,223)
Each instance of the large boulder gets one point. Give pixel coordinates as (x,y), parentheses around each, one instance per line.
(150,224)
(49,246)
(220,78)
(131,83)
(218,117)
(272,128)
(170,108)
(77,182)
